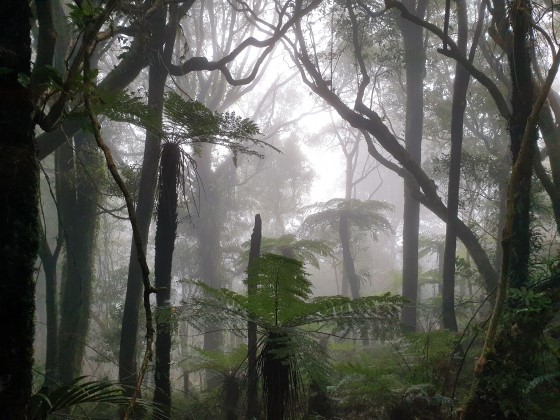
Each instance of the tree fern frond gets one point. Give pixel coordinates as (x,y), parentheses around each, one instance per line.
(127,107)
(364,215)
(304,250)
(223,363)
(79,392)
(378,315)
(192,123)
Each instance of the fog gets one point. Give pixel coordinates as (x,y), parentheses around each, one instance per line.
(319,192)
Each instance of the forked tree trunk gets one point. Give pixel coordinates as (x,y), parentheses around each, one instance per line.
(166,232)
(49,262)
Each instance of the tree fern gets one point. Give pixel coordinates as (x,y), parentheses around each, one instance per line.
(364,215)
(281,307)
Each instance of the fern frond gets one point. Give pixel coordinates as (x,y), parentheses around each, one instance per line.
(127,107)
(341,315)
(364,215)
(79,392)
(304,250)
(191,122)
(223,363)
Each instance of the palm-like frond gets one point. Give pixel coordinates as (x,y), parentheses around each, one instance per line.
(430,243)
(124,106)
(304,250)
(364,215)
(80,392)
(223,363)
(342,316)
(191,122)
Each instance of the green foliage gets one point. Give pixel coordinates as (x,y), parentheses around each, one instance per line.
(185,121)
(304,250)
(363,215)
(222,363)
(289,356)
(83,14)
(80,392)
(397,379)
(526,303)
(191,122)
(127,107)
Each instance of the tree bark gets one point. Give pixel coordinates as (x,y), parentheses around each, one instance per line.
(415,62)
(522,103)
(166,232)
(19,217)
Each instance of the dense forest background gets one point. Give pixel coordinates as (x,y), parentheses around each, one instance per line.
(279,209)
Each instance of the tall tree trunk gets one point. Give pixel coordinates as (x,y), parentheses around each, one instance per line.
(503,173)
(510,352)
(19,217)
(166,232)
(458,106)
(345,233)
(209,248)
(77,206)
(253,409)
(522,103)
(128,364)
(415,61)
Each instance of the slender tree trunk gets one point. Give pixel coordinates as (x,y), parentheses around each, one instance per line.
(19,217)
(458,106)
(128,364)
(166,232)
(415,61)
(209,248)
(253,406)
(347,260)
(78,216)
(345,234)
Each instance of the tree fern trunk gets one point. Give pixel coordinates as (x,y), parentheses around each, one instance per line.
(165,243)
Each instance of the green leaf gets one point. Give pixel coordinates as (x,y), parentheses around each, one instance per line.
(23,79)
